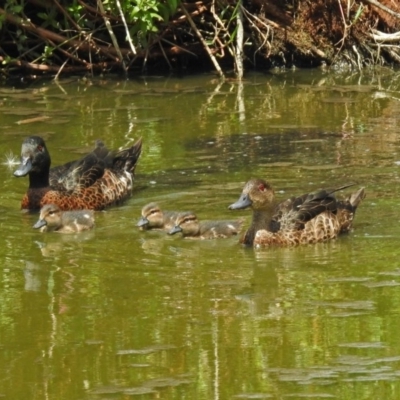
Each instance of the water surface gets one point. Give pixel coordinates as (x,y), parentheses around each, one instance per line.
(119,313)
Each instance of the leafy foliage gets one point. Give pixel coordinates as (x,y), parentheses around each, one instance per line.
(143,16)
(72,18)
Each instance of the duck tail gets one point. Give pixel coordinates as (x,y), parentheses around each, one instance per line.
(127,159)
(347,210)
(356,198)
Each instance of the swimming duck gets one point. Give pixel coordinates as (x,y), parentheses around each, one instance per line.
(98,180)
(190,227)
(155,218)
(310,218)
(53,219)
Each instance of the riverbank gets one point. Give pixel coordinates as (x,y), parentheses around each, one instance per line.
(197,36)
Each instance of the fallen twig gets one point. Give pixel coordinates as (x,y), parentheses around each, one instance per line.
(165,56)
(385,37)
(55,37)
(128,35)
(239,41)
(203,42)
(111,33)
(248,15)
(382,7)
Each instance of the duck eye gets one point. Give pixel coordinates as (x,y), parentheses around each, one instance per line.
(40,147)
(261,187)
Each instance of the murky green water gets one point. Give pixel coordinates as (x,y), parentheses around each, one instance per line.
(117,313)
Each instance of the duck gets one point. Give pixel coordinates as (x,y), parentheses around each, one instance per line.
(153,217)
(52,218)
(188,224)
(98,180)
(309,218)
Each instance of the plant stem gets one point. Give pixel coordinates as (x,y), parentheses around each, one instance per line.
(203,42)
(111,32)
(239,42)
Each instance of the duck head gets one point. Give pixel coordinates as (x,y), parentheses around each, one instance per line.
(257,194)
(187,223)
(34,157)
(152,217)
(50,217)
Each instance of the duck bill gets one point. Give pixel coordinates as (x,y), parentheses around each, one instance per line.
(243,202)
(175,229)
(143,223)
(40,223)
(24,168)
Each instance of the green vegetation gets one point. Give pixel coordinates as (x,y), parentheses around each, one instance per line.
(63,36)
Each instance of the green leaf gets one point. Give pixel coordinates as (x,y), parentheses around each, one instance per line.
(155,16)
(43,16)
(17,9)
(173,5)
(358,14)
(135,10)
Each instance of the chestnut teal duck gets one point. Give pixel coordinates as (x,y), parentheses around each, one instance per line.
(310,218)
(98,180)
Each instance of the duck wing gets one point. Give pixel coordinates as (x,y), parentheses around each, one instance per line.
(57,174)
(295,212)
(83,172)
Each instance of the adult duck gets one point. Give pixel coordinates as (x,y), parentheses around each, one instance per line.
(310,218)
(100,179)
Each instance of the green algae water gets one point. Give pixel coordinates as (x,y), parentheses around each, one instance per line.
(118,313)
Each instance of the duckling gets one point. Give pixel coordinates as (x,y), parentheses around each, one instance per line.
(310,218)
(190,227)
(53,219)
(155,218)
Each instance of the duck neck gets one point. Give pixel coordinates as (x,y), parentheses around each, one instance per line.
(261,220)
(39,179)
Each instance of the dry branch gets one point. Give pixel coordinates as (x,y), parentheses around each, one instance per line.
(382,7)
(47,35)
(276,33)
(203,42)
(385,37)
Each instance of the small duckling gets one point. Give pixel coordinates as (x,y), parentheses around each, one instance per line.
(189,225)
(154,218)
(53,219)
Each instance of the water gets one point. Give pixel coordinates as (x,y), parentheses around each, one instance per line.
(120,313)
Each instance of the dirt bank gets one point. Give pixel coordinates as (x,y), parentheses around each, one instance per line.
(202,35)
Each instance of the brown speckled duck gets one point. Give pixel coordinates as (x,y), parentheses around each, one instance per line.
(190,227)
(53,219)
(98,180)
(155,218)
(310,218)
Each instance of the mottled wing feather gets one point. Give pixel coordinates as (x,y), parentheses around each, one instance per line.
(58,174)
